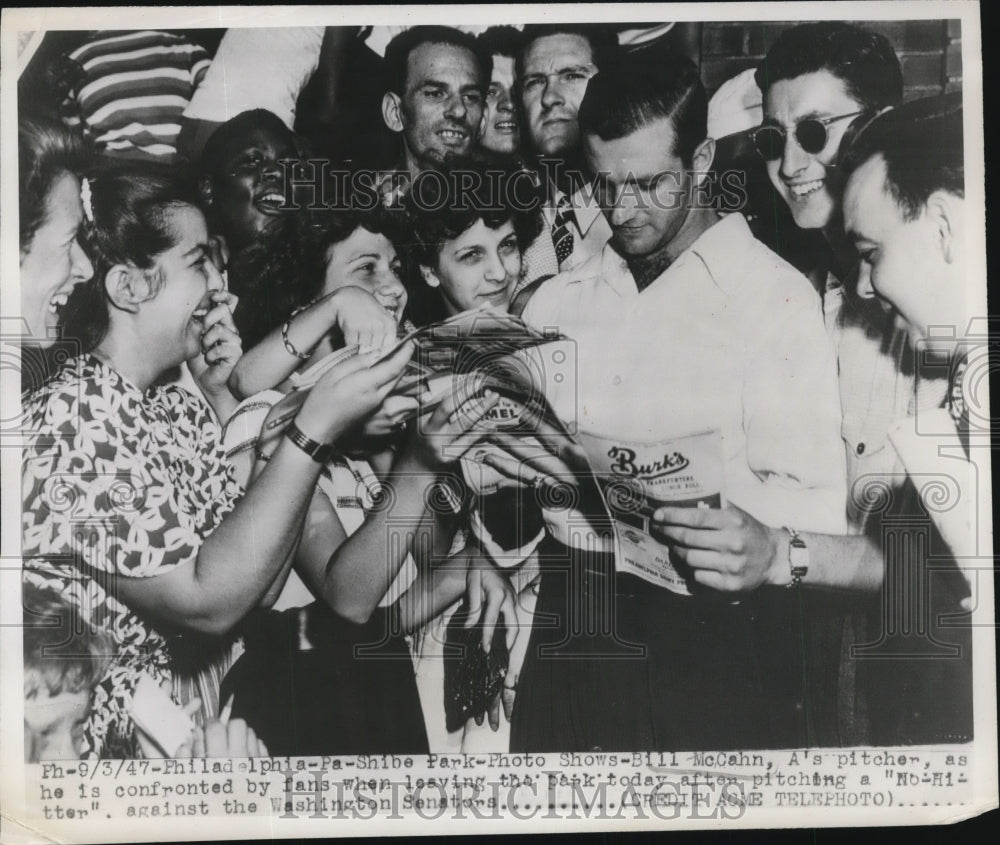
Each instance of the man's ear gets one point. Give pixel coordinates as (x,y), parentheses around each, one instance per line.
(943,210)
(126,287)
(430,276)
(701,160)
(205,190)
(392,111)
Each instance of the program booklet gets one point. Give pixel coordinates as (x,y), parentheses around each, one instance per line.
(637,478)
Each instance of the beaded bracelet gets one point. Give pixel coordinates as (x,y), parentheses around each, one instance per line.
(302,356)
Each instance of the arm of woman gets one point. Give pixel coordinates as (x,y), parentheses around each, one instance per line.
(243,556)
(434,590)
(237,562)
(352,574)
(355,312)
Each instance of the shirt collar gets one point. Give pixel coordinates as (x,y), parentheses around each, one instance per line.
(615,272)
(722,247)
(718,247)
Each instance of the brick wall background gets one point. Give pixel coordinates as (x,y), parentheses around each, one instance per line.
(930,51)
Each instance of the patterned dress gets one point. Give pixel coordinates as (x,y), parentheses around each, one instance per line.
(121,482)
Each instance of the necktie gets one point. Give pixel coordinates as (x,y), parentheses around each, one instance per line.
(562,229)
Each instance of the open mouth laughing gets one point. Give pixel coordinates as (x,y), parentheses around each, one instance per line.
(270,200)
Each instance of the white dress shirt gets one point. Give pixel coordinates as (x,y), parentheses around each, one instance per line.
(730,337)
(878,387)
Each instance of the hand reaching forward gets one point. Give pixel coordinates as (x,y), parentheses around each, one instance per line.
(350,393)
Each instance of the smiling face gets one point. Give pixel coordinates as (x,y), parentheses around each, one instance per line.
(643,186)
(502,132)
(441,111)
(186,278)
(246,194)
(556,70)
(367,260)
(479,268)
(54,261)
(914,265)
(801,178)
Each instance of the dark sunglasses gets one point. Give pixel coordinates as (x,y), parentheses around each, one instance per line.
(811,134)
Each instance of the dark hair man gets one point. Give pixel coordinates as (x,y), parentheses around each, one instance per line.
(436,83)
(904,210)
(689,323)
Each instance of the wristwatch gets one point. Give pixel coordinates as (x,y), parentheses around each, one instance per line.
(798,557)
(319,452)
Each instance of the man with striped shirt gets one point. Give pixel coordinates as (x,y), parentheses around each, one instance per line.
(128,90)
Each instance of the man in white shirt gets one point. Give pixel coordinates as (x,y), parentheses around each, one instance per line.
(682,323)
(904,210)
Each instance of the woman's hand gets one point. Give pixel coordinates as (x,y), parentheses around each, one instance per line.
(221,346)
(488,596)
(222,737)
(350,392)
(362,321)
(522,461)
(391,416)
(442,436)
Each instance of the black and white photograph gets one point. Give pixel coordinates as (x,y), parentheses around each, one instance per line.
(418,416)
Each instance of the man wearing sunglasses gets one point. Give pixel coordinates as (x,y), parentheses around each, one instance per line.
(822,83)
(904,210)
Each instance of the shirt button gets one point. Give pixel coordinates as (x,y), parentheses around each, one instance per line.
(616,380)
(861,448)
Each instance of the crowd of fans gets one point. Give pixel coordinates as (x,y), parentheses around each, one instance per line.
(284,554)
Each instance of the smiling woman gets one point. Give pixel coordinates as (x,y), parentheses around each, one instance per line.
(470,229)
(51,210)
(241,187)
(176,558)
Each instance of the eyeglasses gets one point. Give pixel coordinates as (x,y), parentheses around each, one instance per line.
(811,134)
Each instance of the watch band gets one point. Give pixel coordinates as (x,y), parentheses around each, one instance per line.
(798,557)
(319,452)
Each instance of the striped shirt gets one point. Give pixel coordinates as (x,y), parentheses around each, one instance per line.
(131,91)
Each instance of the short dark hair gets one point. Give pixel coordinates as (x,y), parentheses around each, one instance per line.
(442,204)
(46,151)
(863,60)
(603,41)
(236,128)
(500,41)
(638,89)
(921,144)
(130,224)
(327,229)
(397,53)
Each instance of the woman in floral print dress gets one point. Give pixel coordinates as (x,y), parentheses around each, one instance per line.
(129,506)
